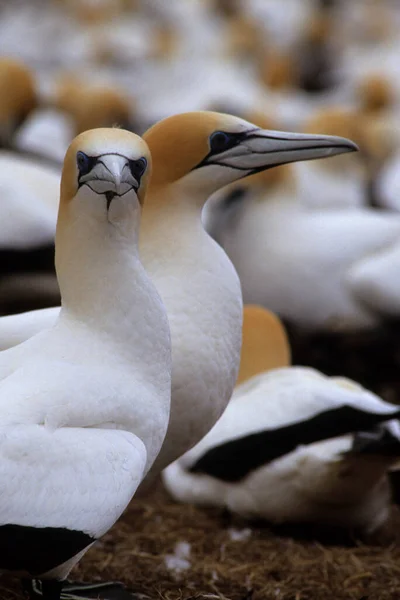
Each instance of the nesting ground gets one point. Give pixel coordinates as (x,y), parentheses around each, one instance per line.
(261,564)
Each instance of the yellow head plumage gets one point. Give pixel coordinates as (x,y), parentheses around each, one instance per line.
(92,107)
(178,143)
(376,93)
(265,345)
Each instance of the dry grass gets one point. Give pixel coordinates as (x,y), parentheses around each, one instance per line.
(266,566)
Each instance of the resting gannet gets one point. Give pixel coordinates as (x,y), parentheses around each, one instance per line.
(85,404)
(270,455)
(194,154)
(17,96)
(322,271)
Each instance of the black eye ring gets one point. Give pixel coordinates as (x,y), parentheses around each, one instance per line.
(138,167)
(221,141)
(85,163)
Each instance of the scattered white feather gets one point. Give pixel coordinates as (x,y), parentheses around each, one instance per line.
(178,562)
(239,535)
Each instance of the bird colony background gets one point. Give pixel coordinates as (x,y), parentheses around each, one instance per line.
(328,66)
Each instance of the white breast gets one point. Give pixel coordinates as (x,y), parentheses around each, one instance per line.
(202,294)
(297,263)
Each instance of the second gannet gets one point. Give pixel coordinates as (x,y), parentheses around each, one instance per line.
(85,405)
(293,445)
(195,154)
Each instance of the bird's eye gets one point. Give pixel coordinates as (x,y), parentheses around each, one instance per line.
(221,141)
(138,167)
(85,163)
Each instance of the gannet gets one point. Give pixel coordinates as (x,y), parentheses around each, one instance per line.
(265,345)
(17,96)
(85,404)
(92,106)
(270,455)
(322,269)
(193,155)
(388,182)
(334,183)
(29,193)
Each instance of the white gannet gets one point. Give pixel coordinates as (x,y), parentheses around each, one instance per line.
(18,96)
(47,133)
(29,193)
(193,155)
(85,404)
(315,268)
(270,455)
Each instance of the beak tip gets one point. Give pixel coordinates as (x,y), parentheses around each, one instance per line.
(352,146)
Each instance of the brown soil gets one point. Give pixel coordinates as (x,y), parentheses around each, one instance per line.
(266,566)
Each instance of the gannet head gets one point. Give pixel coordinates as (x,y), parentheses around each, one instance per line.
(205,151)
(338,121)
(93,106)
(105,174)
(375,92)
(265,345)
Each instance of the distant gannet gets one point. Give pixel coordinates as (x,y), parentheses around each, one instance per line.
(265,345)
(270,455)
(85,405)
(92,105)
(195,154)
(17,97)
(334,183)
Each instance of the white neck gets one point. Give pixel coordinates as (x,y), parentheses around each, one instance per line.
(102,281)
(171,227)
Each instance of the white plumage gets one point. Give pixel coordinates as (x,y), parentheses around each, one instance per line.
(315,268)
(29,202)
(267,476)
(85,404)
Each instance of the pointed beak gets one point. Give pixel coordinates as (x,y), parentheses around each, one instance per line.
(111,176)
(261,149)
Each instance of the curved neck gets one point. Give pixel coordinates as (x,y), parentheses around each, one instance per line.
(170,217)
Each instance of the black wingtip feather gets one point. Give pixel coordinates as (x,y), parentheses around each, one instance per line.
(235,459)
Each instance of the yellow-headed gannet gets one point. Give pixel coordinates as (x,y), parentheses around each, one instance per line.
(85,404)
